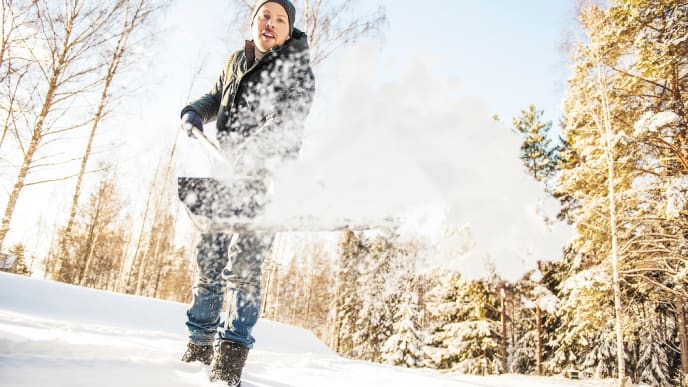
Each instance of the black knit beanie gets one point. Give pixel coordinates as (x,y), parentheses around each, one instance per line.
(286,4)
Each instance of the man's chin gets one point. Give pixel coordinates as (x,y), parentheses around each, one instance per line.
(265,47)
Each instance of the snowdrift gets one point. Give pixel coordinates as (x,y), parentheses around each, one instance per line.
(52,334)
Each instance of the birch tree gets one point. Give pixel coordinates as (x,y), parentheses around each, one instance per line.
(590,126)
(15,29)
(132,17)
(66,63)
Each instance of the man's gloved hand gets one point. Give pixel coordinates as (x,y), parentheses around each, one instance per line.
(190,120)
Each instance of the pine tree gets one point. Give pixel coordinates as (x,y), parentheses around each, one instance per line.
(347,303)
(536,302)
(379,288)
(467,330)
(542,162)
(537,153)
(444,308)
(585,338)
(405,346)
(652,366)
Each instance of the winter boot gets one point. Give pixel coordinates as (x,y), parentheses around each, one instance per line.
(228,363)
(198,352)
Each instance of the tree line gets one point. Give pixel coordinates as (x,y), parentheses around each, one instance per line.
(613,304)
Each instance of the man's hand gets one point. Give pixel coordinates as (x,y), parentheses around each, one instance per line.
(191,120)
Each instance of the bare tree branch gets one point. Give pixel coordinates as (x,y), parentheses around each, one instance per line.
(329,24)
(61,178)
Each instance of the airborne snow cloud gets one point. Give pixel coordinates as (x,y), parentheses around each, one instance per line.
(415,148)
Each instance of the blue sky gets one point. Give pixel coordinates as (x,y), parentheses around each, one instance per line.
(507,52)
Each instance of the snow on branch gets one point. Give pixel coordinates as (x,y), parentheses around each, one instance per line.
(651,122)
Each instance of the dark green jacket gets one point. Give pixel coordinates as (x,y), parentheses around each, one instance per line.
(260,106)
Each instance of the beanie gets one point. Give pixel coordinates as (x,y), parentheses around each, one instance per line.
(286,4)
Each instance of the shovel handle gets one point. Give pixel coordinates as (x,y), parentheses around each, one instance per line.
(210,145)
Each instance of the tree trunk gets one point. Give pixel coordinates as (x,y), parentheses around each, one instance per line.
(268,282)
(156,210)
(92,240)
(421,300)
(159,261)
(309,297)
(121,284)
(81,280)
(683,335)
(82,171)
(336,323)
(616,281)
(19,183)
(275,311)
(7,22)
(502,296)
(36,137)
(336,328)
(538,349)
(136,264)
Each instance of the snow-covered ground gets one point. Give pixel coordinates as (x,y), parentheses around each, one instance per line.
(53,334)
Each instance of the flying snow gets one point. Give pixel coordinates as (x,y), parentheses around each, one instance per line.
(418,151)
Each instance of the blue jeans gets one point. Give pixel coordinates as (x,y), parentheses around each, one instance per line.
(231,262)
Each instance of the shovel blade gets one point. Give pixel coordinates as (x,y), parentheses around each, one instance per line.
(210,198)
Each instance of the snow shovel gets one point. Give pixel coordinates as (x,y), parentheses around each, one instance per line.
(236,206)
(206,197)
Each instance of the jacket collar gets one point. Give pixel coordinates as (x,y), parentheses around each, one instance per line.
(249,53)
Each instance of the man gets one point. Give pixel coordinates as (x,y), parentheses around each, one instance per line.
(259,101)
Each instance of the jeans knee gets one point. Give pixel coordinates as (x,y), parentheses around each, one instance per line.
(211,285)
(248,282)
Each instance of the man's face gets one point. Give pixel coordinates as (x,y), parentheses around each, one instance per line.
(270,27)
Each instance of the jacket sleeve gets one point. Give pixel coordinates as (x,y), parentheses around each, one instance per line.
(281,134)
(208,105)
